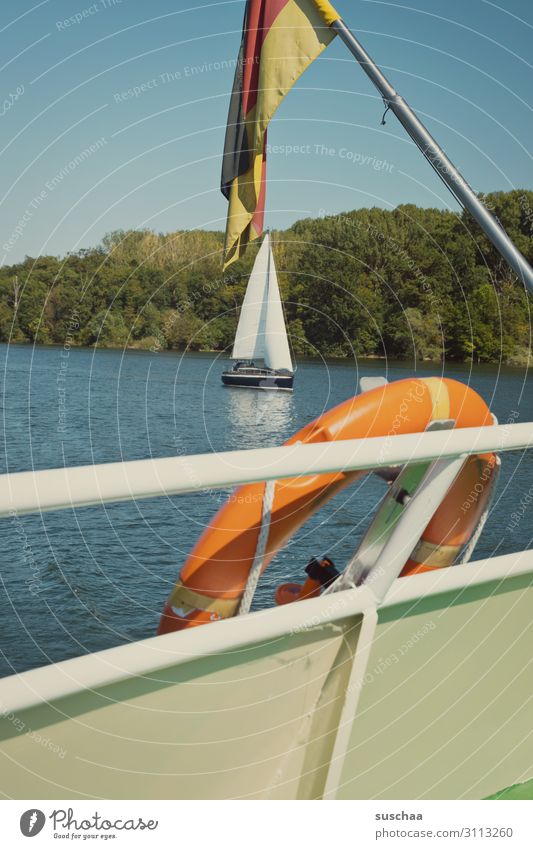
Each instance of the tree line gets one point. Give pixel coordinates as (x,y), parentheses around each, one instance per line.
(371,282)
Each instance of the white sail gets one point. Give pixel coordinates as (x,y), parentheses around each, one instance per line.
(250,338)
(261,332)
(277,353)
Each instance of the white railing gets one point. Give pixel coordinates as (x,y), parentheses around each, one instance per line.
(144,658)
(79,486)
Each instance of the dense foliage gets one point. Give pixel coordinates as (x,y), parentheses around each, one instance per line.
(411,282)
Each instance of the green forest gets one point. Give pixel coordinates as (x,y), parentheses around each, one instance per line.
(371,282)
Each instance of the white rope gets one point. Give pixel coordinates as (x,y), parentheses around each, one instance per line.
(255,571)
(469,549)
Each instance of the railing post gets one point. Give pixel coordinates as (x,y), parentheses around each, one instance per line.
(417,515)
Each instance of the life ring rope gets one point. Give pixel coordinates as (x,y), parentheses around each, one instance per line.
(257,566)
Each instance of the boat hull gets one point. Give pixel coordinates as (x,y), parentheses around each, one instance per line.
(258,380)
(440,709)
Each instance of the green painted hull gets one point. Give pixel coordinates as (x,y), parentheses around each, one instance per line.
(518,792)
(216,712)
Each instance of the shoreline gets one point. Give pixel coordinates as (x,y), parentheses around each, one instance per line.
(301,358)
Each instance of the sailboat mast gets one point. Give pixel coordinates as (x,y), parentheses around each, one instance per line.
(284,316)
(267,287)
(267,236)
(437,158)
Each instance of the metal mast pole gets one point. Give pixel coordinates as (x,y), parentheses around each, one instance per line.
(437,158)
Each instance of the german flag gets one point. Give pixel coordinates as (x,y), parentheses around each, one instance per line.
(280,39)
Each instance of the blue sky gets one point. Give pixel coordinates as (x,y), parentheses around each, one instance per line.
(144,87)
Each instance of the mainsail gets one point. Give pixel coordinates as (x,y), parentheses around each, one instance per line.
(261,332)
(277,354)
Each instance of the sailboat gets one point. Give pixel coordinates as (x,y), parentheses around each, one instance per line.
(261,333)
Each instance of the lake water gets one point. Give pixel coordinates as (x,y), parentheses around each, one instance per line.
(84,580)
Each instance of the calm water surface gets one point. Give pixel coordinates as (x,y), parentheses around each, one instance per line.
(81,580)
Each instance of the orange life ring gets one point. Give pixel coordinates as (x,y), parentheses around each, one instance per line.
(213,578)
(457,517)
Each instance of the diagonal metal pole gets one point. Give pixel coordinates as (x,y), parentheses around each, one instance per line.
(418,513)
(438,159)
